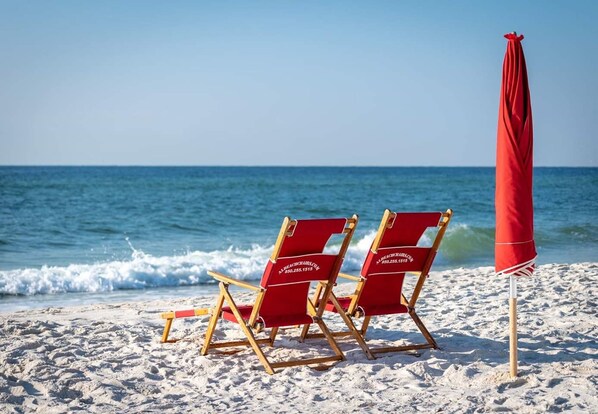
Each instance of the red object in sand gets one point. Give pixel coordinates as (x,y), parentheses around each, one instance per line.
(515,250)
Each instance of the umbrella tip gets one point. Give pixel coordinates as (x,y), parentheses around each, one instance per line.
(514,36)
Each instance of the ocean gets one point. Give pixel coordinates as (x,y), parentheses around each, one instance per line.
(79,235)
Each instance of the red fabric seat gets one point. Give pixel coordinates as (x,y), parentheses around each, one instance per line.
(344,301)
(270,321)
(384,309)
(371,310)
(245,311)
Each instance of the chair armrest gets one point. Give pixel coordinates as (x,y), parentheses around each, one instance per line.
(167,315)
(350,277)
(229,280)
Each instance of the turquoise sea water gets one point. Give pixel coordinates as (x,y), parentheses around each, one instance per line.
(92,230)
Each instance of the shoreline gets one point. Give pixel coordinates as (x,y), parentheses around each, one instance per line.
(15,303)
(108,357)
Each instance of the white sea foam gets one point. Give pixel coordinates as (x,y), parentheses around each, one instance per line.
(141,271)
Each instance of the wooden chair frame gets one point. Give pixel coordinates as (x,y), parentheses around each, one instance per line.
(353,308)
(252,326)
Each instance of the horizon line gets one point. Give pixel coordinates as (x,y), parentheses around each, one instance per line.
(275,166)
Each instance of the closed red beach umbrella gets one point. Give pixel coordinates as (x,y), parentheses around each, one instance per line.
(515,250)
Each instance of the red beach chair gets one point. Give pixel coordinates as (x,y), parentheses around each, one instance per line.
(379,290)
(283,295)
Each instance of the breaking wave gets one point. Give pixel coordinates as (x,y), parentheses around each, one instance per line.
(463,245)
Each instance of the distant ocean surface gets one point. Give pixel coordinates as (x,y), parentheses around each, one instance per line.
(79,233)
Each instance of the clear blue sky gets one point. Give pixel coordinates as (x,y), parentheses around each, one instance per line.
(289,82)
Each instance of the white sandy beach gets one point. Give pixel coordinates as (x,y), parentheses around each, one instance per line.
(108,358)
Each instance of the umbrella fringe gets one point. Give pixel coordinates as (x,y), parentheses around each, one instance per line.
(520,269)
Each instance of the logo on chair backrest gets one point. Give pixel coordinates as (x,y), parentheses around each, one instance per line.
(395,258)
(300,266)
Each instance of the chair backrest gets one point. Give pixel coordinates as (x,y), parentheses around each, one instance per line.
(394,252)
(297,261)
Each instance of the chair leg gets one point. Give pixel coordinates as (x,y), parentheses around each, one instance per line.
(273,334)
(167,330)
(317,317)
(315,301)
(423,328)
(212,325)
(349,322)
(243,324)
(365,324)
(330,338)
(304,332)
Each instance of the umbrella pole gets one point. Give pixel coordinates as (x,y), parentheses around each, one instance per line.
(513,325)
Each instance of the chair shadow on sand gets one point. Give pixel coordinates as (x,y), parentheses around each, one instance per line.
(465,349)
